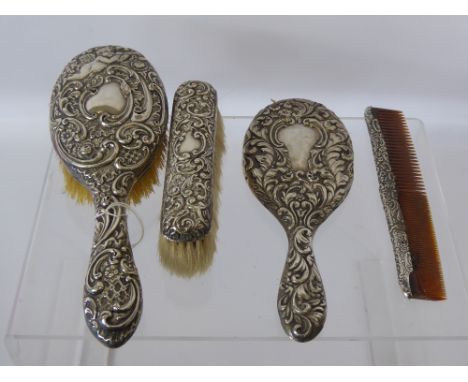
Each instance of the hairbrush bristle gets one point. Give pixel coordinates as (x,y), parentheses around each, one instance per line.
(426,280)
(142,188)
(146,183)
(75,189)
(187,259)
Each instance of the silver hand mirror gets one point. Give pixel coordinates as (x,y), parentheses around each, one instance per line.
(298,161)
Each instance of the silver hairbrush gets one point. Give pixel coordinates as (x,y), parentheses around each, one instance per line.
(108,118)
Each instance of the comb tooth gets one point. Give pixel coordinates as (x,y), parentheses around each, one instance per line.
(427,278)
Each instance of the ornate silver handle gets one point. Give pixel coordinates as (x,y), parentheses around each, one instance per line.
(301,297)
(112,291)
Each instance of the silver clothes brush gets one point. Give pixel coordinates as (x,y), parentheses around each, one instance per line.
(191,189)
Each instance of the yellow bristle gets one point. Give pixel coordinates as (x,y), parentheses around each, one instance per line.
(192,258)
(74,188)
(142,188)
(145,185)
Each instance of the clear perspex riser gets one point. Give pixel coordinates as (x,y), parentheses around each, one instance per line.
(228,315)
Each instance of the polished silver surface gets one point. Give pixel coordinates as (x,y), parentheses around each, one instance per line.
(298,161)
(389,196)
(188,188)
(108,114)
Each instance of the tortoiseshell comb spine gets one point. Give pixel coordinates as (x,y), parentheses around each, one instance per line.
(406,205)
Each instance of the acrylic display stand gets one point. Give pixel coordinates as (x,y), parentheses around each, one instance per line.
(228,315)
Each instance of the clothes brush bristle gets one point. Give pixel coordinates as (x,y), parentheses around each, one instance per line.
(188,259)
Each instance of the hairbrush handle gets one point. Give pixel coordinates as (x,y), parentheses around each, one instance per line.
(112,292)
(301,296)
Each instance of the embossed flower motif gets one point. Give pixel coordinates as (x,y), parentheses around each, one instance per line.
(132,156)
(111,272)
(86,150)
(95,133)
(106,188)
(66,136)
